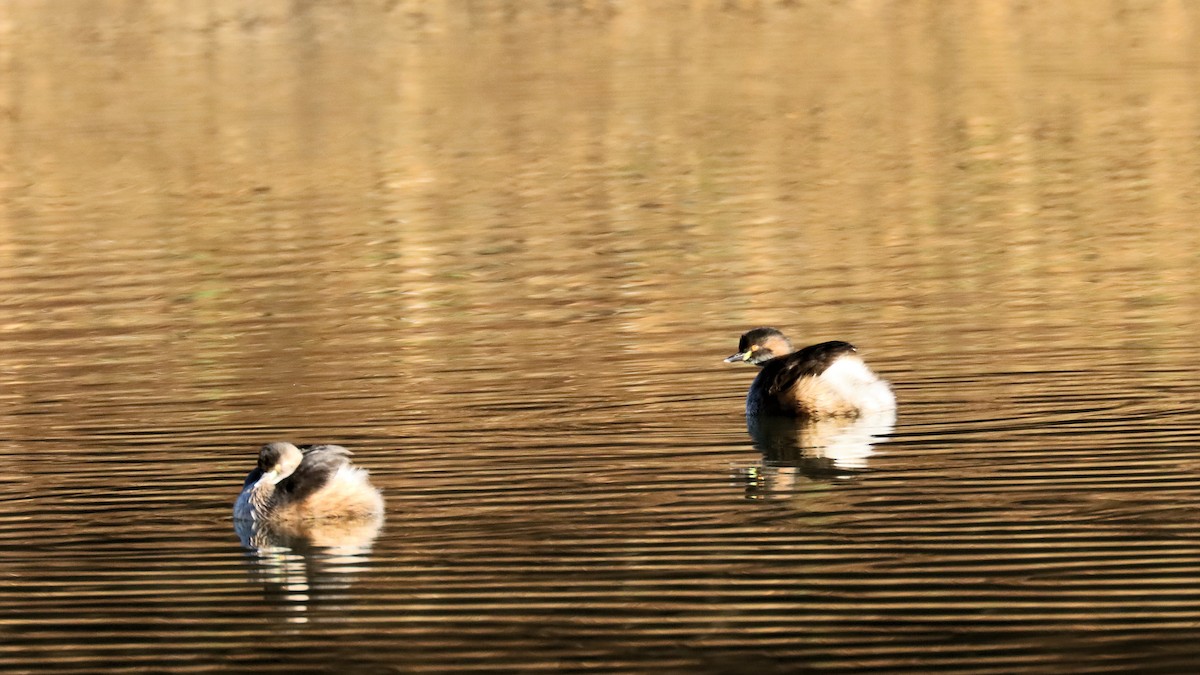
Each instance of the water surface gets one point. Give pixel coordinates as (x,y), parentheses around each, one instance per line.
(499,250)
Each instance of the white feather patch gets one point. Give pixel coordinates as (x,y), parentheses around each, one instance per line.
(854,381)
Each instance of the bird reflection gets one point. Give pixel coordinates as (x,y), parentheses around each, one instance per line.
(305,564)
(795,450)
(347,535)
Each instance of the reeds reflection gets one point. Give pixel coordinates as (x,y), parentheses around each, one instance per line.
(806,449)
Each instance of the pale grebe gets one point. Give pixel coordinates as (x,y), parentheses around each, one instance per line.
(316,482)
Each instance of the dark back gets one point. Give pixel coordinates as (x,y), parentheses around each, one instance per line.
(782,373)
(318,466)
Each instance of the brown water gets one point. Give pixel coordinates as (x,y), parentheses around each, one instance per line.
(499,249)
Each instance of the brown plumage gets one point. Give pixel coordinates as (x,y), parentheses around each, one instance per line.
(316,482)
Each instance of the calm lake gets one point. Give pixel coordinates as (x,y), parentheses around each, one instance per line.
(499,249)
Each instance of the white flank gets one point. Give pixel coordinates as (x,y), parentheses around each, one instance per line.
(854,381)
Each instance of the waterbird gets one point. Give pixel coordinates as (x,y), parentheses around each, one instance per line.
(822,380)
(305,484)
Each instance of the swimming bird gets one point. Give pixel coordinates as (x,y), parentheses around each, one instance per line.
(823,380)
(303,484)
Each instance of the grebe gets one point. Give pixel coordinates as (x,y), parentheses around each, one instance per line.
(316,482)
(824,380)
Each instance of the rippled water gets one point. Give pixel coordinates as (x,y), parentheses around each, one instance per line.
(500,249)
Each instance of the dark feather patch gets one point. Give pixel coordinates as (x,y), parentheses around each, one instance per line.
(252,477)
(760,335)
(782,373)
(318,466)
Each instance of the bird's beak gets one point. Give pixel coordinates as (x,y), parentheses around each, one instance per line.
(272,477)
(740,356)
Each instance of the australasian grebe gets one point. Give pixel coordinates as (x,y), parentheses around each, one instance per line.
(312,483)
(823,380)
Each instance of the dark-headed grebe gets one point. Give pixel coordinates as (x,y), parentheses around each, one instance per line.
(824,380)
(290,484)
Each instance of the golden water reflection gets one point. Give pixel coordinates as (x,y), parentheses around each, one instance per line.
(500,246)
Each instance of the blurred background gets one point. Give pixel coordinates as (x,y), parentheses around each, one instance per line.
(500,248)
